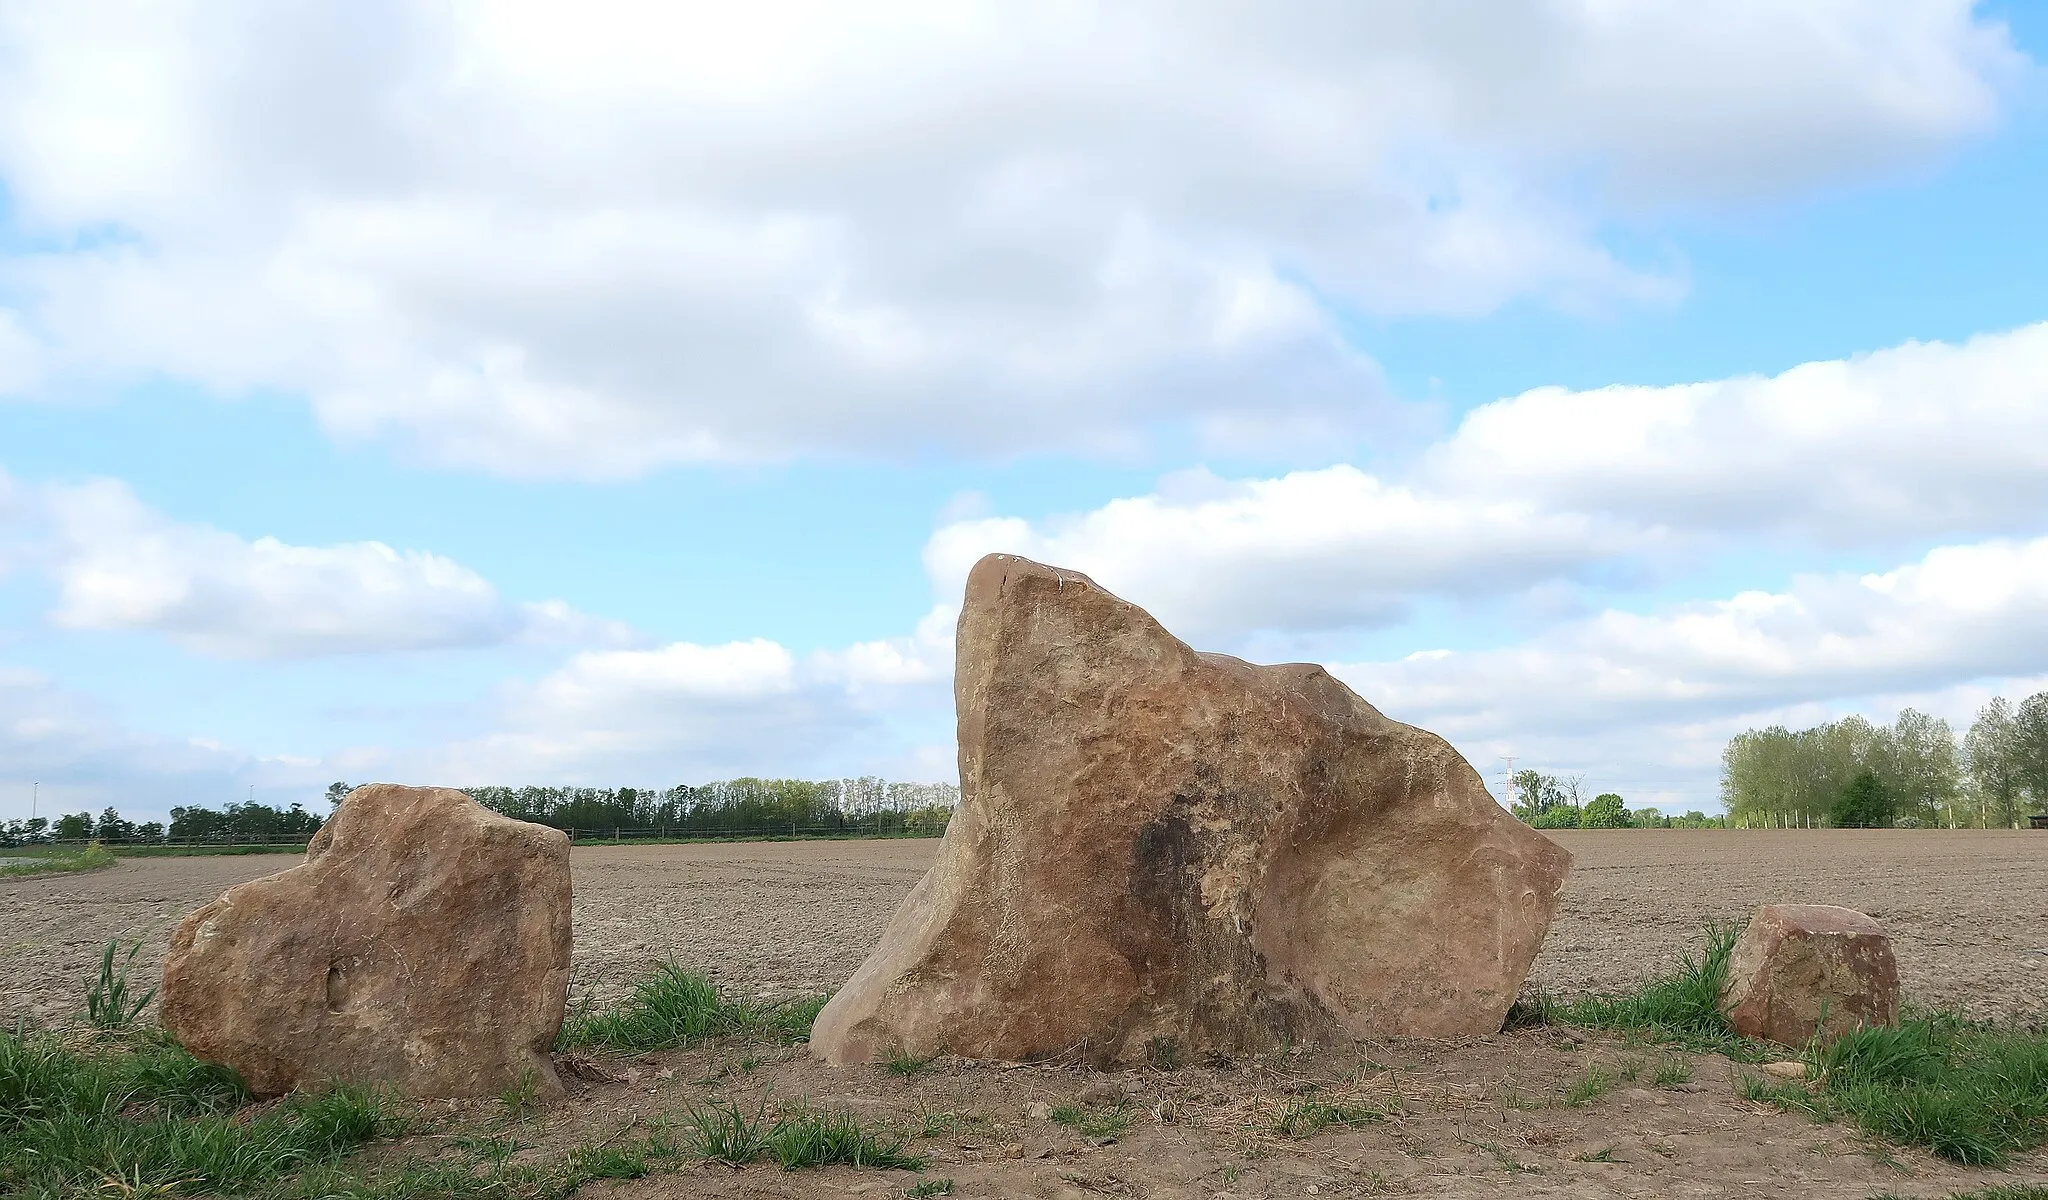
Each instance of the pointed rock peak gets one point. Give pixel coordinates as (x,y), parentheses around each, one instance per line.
(1161,853)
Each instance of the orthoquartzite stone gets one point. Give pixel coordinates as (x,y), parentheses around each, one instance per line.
(1159,852)
(423,944)
(1797,962)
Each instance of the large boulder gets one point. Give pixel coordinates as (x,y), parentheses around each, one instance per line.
(1159,852)
(423,944)
(1805,970)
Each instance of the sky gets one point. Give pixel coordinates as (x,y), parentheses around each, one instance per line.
(617,394)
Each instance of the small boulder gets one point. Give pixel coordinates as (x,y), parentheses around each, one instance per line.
(1162,853)
(1802,970)
(423,944)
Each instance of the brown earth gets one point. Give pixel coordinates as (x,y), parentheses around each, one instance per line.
(1968,911)
(1477,1117)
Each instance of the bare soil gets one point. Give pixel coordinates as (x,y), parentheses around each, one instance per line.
(1968,912)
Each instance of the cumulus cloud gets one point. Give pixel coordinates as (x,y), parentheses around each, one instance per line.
(118,564)
(1309,550)
(1961,613)
(1917,440)
(78,756)
(700,712)
(590,242)
(1882,451)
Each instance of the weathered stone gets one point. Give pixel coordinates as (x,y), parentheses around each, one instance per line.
(424,944)
(1161,853)
(1806,969)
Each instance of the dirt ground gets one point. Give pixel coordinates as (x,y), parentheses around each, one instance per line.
(1968,912)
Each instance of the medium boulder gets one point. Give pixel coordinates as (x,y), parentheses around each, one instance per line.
(423,944)
(1802,970)
(1159,852)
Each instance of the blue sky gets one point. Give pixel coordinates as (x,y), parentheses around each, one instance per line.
(508,394)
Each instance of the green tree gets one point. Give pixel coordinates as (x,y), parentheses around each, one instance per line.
(1545,801)
(1863,804)
(113,828)
(1606,811)
(2030,748)
(1991,753)
(73,827)
(1920,767)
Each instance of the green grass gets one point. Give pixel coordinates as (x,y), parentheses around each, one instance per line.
(89,857)
(144,1117)
(1591,1084)
(2008,1192)
(929,1187)
(107,1003)
(674,1007)
(1971,1093)
(799,1137)
(811,1137)
(903,1064)
(1094,1122)
(1309,1115)
(1683,1007)
(1672,1070)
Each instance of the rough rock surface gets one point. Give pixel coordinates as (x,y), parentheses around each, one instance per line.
(1165,852)
(424,944)
(1798,961)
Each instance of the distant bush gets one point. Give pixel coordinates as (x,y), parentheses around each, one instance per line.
(1606,812)
(1864,804)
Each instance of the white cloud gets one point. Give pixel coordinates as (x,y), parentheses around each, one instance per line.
(1918,440)
(692,712)
(1556,488)
(118,564)
(590,242)
(74,756)
(1309,550)
(1961,613)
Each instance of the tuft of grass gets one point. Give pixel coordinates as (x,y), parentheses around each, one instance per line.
(929,1187)
(146,1118)
(107,1004)
(2016,1191)
(1163,1053)
(674,1007)
(721,1132)
(1672,1070)
(1094,1122)
(515,1100)
(89,857)
(1603,1154)
(1972,1093)
(903,1063)
(786,1021)
(609,1162)
(1591,1084)
(814,1138)
(1309,1115)
(799,1137)
(1684,1007)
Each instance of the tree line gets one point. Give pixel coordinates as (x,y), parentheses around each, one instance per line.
(244,823)
(1914,773)
(745,806)
(1556,802)
(734,806)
